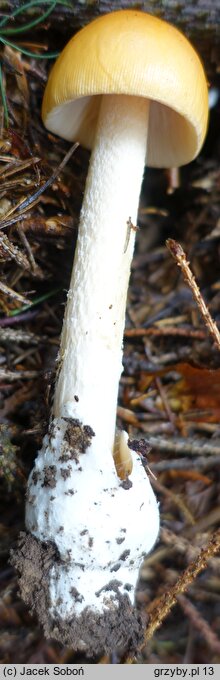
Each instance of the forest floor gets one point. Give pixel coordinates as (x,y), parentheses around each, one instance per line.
(169,391)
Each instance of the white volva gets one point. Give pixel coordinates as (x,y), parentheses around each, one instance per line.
(100,525)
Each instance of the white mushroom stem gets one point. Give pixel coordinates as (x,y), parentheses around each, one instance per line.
(100,526)
(91,343)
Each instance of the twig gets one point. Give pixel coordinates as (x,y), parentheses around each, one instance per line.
(204,523)
(13,294)
(179,543)
(199,463)
(11,252)
(200,624)
(17,218)
(17,166)
(175,498)
(165,402)
(32,199)
(169,599)
(19,337)
(13,376)
(179,256)
(26,245)
(188,446)
(167,330)
(13,320)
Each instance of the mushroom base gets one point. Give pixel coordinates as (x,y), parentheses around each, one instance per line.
(102,526)
(120,627)
(89,532)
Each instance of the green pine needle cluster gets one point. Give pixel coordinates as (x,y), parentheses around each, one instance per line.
(8,28)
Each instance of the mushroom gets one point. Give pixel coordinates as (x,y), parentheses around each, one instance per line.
(131,88)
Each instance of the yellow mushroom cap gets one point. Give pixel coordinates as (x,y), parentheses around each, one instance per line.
(132,53)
